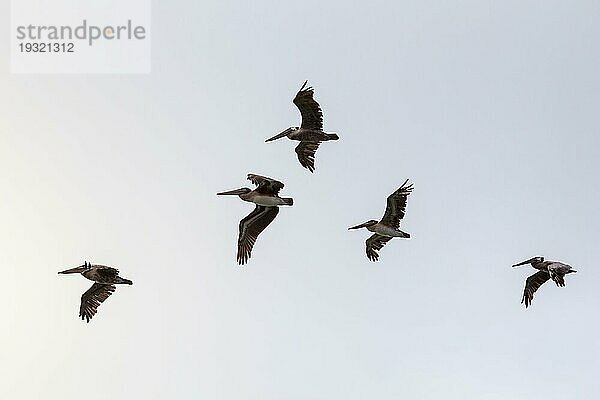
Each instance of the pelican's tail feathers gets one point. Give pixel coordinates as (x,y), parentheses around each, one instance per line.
(404,234)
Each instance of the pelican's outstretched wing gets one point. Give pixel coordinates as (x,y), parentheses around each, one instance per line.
(558,272)
(250,227)
(396,205)
(265,185)
(374,244)
(306,154)
(312,115)
(532,284)
(91,300)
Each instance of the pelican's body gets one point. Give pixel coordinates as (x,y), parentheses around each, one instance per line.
(267,200)
(264,200)
(104,279)
(266,193)
(388,227)
(386,230)
(546,270)
(310,134)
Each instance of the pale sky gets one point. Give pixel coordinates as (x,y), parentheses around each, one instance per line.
(490,108)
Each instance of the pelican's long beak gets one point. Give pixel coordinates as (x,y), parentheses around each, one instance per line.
(76,270)
(523,263)
(279,136)
(235,192)
(359,226)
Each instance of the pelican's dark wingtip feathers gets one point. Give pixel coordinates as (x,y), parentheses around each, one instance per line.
(251,227)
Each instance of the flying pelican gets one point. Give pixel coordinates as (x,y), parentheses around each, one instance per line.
(387,228)
(310,133)
(266,197)
(105,278)
(547,270)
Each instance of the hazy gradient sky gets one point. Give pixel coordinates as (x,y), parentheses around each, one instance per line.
(491,108)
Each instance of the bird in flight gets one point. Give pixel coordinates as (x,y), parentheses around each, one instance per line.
(310,133)
(266,197)
(105,278)
(546,270)
(388,227)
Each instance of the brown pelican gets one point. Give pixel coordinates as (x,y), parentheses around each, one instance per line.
(105,278)
(310,133)
(547,270)
(266,197)
(387,228)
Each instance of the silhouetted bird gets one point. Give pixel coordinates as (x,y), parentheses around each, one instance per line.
(310,133)
(105,278)
(547,270)
(266,197)
(387,228)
